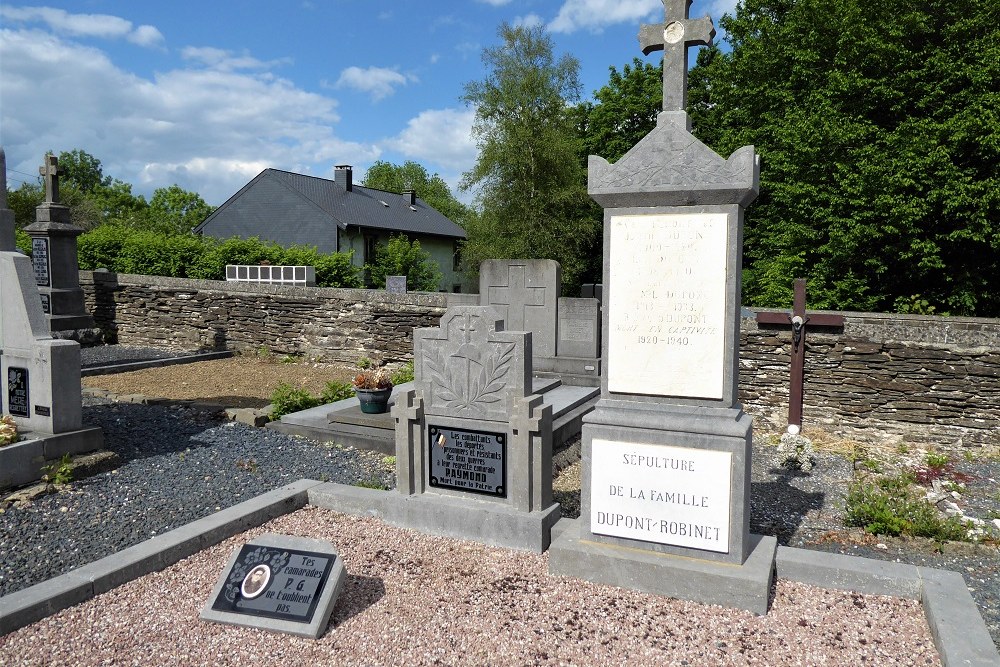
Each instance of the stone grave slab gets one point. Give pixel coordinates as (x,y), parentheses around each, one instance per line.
(280,583)
(525,293)
(579,328)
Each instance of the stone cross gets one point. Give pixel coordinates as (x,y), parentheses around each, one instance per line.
(798,319)
(518,298)
(674,36)
(50,172)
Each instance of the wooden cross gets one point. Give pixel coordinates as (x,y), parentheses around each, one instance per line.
(675,36)
(798,319)
(50,172)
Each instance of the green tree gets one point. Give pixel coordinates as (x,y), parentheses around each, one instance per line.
(176,210)
(624,110)
(878,125)
(401,257)
(82,171)
(413,176)
(529,181)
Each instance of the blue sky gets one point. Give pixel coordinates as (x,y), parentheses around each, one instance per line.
(207,94)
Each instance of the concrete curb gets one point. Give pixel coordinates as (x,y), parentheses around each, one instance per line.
(153,363)
(958,628)
(38,601)
(959,631)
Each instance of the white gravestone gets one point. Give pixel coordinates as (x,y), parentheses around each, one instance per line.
(667,333)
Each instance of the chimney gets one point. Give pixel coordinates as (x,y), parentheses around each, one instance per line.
(411,195)
(342,176)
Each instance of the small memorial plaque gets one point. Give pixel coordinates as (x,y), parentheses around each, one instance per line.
(46,307)
(40,261)
(43,411)
(278,582)
(468,460)
(17,392)
(395,284)
(655,493)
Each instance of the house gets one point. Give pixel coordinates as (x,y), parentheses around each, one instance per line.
(335,216)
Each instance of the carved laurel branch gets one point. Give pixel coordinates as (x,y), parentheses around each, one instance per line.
(484,388)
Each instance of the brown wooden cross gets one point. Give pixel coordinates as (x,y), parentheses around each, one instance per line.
(674,37)
(50,172)
(798,319)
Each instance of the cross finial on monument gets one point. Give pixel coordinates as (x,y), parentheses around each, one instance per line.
(674,36)
(50,172)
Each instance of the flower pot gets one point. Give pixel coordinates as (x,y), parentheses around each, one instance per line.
(374,401)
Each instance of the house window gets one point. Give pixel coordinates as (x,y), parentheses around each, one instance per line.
(370,243)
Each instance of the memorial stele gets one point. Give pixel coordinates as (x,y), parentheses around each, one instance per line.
(666,452)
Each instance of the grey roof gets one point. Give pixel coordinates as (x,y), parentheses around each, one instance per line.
(305,210)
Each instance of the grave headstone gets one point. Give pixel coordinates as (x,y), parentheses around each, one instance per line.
(281,583)
(54,259)
(526,293)
(473,444)
(395,284)
(666,452)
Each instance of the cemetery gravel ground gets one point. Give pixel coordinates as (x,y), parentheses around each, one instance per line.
(179,464)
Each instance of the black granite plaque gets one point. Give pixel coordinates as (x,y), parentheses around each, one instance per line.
(40,261)
(468,460)
(46,308)
(17,392)
(43,411)
(275,583)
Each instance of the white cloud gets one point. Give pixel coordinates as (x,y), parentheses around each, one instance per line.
(226,61)
(83,25)
(529,21)
(439,136)
(207,129)
(594,15)
(716,8)
(495,3)
(379,82)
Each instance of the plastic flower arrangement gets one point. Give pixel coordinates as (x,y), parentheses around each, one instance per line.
(8,430)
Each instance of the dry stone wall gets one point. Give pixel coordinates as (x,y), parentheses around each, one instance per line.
(928,380)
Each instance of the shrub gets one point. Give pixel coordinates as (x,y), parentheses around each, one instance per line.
(401,257)
(403,374)
(287,399)
(890,506)
(335,391)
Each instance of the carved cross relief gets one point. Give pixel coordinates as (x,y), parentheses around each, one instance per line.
(518,300)
(675,36)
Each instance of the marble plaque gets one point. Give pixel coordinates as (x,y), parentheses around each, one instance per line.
(40,261)
(468,460)
(17,392)
(655,493)
(667,316)
(278,582)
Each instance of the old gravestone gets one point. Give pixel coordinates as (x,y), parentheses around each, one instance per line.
(395,284)
(473,444)
(281,583)
(666,452)
(565,331)
(54,259)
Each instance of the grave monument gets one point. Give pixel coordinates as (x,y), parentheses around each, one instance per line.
(7,242)
(566,341)
(53,258)
(666,452)
(41,376)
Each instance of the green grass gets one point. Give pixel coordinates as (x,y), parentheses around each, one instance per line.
(893,506)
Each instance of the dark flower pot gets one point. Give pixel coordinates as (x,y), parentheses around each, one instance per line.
(374,401)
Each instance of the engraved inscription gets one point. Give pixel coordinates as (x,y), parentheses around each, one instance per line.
(668,305)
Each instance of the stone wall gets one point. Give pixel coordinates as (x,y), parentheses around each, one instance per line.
(929,380)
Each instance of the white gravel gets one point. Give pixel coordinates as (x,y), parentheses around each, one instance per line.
(413,599)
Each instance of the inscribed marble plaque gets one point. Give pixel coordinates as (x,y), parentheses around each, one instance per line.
(40,261)
(655,493)
(667,316)
(468,460)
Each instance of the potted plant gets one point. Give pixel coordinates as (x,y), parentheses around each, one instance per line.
(373,386)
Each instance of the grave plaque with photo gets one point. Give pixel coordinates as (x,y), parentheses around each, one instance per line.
(468,460)
(40,261)
(278,582)
(17,392)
